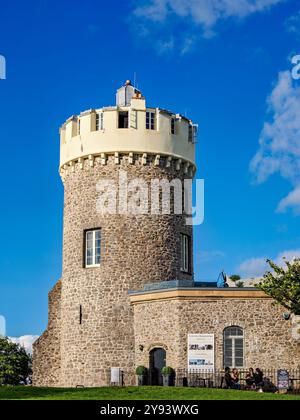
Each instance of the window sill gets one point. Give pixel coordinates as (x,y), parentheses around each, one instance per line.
(92,266)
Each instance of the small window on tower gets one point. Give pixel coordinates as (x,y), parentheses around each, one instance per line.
(92,248)
(185,253)
(150,120)
(78,128)
(99,121)
(123,119)
(193,133)
(172,125)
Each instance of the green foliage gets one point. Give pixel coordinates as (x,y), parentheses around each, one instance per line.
(239,284)
(141,371)
(167,370)
(15,363)
(235,277)
(283,285)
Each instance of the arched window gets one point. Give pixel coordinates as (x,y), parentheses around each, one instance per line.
(234,347)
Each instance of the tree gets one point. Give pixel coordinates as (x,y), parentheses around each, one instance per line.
(283,284)
(15,363)
(235,277)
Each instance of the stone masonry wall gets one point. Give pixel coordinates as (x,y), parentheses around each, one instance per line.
(136,249)
(46,350)
(268,342)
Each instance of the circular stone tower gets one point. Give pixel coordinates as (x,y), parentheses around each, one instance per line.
(118,243)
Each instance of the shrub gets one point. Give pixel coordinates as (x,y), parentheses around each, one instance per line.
(141,371)
(15,363)
(167,370)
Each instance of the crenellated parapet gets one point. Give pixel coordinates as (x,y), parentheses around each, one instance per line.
(132,158)
(128,129)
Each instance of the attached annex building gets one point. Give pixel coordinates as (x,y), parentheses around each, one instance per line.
(127,295)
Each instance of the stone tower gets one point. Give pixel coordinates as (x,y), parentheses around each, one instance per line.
(91,327)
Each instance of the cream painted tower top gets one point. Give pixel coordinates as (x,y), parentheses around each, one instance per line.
(131,128)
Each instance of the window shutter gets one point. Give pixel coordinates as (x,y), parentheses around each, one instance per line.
(133,119)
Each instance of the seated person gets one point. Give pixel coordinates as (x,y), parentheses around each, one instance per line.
(235,379)
(250,378)
(228,379)
(259,377)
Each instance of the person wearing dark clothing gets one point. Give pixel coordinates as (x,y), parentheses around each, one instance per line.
(250,378)
(259,377)
(228,379)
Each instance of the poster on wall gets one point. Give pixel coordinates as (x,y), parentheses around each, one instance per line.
(283,379)
(201,352)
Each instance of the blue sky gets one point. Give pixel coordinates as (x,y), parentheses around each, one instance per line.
(227,67)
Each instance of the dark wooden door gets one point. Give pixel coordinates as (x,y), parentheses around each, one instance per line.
(157,362)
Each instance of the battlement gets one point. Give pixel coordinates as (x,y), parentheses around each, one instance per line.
(128,127)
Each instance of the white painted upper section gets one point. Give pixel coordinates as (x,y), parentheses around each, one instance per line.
(80,136)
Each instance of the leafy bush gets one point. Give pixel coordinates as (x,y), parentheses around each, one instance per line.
(235,277)
(283,285)
(167,370)
(141,371)
(15,363)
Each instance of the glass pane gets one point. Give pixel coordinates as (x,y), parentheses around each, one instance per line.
(228,346)
(239,352)
(233,332)
(89,261)
(239,331)
(89,236)
(227,361)
(239,362)
(239,343)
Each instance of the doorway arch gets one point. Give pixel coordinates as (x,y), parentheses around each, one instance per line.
(157,360)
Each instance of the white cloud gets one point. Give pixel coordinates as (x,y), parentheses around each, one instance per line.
(288,255)
(292,24)
(256,267)
(203,14)
(292,200)
(25,341)
(279,149)
(206,256)
(165,46)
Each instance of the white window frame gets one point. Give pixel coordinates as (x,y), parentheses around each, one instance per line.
(151,117)
(233,339)
(95,255)
(185,253)
(99,121)
(193,133)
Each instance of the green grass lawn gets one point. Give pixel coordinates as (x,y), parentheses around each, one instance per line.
(135,393)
